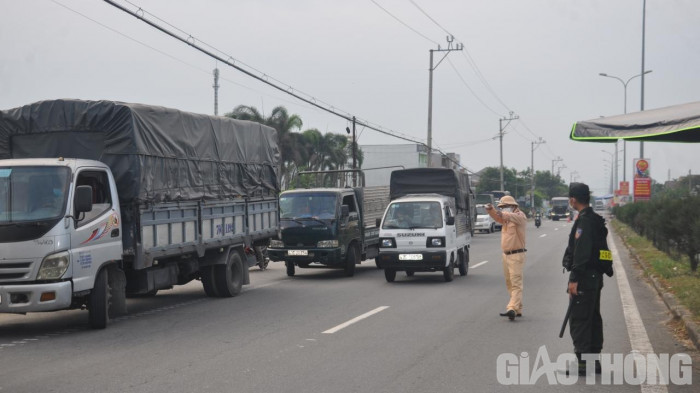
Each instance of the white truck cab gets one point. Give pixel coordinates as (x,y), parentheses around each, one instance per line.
(423,232)
(50,253)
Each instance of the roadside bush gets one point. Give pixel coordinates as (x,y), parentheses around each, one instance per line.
(672,224)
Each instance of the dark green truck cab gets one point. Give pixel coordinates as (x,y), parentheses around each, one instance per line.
(328,227)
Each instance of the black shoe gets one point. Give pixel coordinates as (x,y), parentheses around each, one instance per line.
(505,314)
(581,370)
(510,314)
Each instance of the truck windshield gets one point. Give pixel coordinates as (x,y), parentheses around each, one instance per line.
(32,194)
(317,206)
(413,215)
(480,210)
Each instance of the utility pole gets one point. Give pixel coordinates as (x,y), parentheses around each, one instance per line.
(216,91)
(447,51)
(558,159)
(573,174)
(532,168)
(354,152)
(500,136)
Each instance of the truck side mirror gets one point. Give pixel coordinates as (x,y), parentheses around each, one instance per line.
(82,201)
(378,222)
(344,211)
(450,221)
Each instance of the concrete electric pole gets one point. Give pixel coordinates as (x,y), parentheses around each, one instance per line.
(216,91)
(500,136)
(447,51)
(532,168)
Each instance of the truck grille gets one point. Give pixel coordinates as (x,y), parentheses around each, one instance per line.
(14,270)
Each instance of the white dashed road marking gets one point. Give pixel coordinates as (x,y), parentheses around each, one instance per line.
(479,264)
(543,235)
(355,320)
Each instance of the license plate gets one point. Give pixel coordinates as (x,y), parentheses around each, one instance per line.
(298,252)
(410,257)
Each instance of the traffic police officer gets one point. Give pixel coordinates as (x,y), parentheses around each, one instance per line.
(585,280)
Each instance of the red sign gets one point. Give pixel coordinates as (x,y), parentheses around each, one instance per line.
(624,188)
(642,180)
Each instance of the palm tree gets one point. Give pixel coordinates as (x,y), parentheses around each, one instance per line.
(280,120)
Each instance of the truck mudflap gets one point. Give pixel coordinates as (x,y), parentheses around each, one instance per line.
(416,261)
(36,297)
(326,256)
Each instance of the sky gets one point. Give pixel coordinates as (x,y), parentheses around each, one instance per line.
(539,59)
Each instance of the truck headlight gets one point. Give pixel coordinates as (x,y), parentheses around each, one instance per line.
(53,266)
(387,242)
(327,244)
(436,242)
(276,244)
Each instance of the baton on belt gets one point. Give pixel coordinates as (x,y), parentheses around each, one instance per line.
(568,314)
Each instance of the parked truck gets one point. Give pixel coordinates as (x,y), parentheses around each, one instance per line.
(329,226)
(100,199)
(428,224)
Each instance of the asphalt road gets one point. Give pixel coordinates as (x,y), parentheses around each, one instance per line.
(320,331)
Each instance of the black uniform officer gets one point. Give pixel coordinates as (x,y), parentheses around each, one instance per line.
(585,279)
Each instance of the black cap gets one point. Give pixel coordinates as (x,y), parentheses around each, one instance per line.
(579,191)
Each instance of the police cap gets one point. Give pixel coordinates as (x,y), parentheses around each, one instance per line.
(579,191)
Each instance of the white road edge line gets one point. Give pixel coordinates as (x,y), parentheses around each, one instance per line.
(478,264)
(355,320)
(639,340)
(543,235)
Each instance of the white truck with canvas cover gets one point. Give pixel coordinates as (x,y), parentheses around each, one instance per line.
(151,198)
(428,224)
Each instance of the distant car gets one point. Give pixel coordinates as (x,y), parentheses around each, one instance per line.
(599,205)
(484,222)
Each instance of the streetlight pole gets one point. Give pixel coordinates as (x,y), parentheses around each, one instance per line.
(644,19)
(624,143)
(430,91)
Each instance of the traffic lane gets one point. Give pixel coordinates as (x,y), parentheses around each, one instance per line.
(144,344)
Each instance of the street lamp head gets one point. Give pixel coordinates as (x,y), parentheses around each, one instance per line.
(603,74)
(648,71)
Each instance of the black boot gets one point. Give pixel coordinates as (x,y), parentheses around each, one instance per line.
(581,366)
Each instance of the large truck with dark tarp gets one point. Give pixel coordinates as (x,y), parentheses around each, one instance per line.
(100,199)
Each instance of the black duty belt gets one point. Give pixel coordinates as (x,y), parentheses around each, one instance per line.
(515,251)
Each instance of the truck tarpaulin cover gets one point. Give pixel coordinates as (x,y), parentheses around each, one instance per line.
(441,181)
(156,154)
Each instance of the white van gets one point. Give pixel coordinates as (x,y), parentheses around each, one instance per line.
(423,233)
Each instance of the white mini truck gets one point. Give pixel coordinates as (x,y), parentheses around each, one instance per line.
(154,198)
(427,227)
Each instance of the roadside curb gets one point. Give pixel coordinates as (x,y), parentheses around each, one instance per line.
(678,310)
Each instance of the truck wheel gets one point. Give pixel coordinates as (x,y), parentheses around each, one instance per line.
(261,256)
(351,260)
(98,303)
(290,268)
(228,278)
(463,263)
(390,275)
(410,273)
(207,275)
(449,272)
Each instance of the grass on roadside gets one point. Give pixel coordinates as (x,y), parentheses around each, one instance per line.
(675,275)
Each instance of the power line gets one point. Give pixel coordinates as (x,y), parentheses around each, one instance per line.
(403,23)
(471,90)
(230,61)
